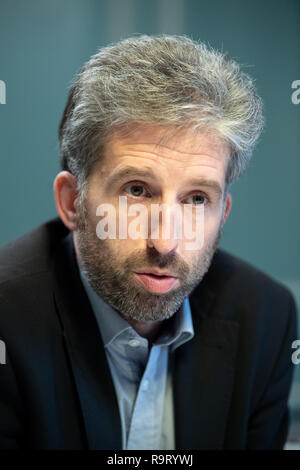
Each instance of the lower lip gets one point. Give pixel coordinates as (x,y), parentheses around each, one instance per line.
(157,284)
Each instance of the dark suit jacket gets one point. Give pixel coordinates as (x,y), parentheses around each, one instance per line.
(231,381)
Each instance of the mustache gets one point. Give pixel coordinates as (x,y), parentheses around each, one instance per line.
(154,259)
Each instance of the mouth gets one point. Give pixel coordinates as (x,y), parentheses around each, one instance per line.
(156,281)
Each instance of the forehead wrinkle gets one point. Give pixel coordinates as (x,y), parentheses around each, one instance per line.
(163,138)
(183,165)
(199,164)
(158,146)
(151,155)
(185,152)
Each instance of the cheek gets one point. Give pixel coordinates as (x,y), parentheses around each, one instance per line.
(199,231)
(211,227)
(123,249)
(212,220)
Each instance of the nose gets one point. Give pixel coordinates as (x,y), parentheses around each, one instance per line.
(164,247)
(163,229)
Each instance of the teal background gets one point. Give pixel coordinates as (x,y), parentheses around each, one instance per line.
(43,44)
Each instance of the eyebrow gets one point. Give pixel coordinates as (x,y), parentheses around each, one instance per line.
(130,171)
(214,185)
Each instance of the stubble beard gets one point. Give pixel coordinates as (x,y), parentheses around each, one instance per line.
(113,280)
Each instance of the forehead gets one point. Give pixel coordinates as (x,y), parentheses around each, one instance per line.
(170,151)
(184,140)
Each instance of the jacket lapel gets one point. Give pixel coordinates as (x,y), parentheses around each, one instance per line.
(204,374)
(86,353)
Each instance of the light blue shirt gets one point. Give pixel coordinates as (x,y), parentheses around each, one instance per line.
(142,380)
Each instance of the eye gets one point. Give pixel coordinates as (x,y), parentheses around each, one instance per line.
(136,190)
(197,199)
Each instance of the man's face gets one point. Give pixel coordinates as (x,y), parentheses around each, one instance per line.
(151,167)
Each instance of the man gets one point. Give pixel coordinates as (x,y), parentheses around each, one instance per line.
(124,338)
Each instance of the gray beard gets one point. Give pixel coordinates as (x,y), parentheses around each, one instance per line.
(112,279)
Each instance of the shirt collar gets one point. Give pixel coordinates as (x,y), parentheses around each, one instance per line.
(176,330)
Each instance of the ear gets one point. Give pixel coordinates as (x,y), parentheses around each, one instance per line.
(65,194)
(227,208)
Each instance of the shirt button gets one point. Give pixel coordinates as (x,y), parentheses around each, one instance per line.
(134,343)
(145,385)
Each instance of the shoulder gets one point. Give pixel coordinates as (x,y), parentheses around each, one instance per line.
(228,271)
(26,291)
(31,253)
(246,294)
(26,272)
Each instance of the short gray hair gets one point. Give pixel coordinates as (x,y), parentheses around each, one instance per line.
(159,80)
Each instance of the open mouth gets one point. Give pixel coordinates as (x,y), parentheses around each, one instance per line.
(158,283)
(155,275)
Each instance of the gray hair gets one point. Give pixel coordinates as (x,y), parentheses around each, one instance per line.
(159,80)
